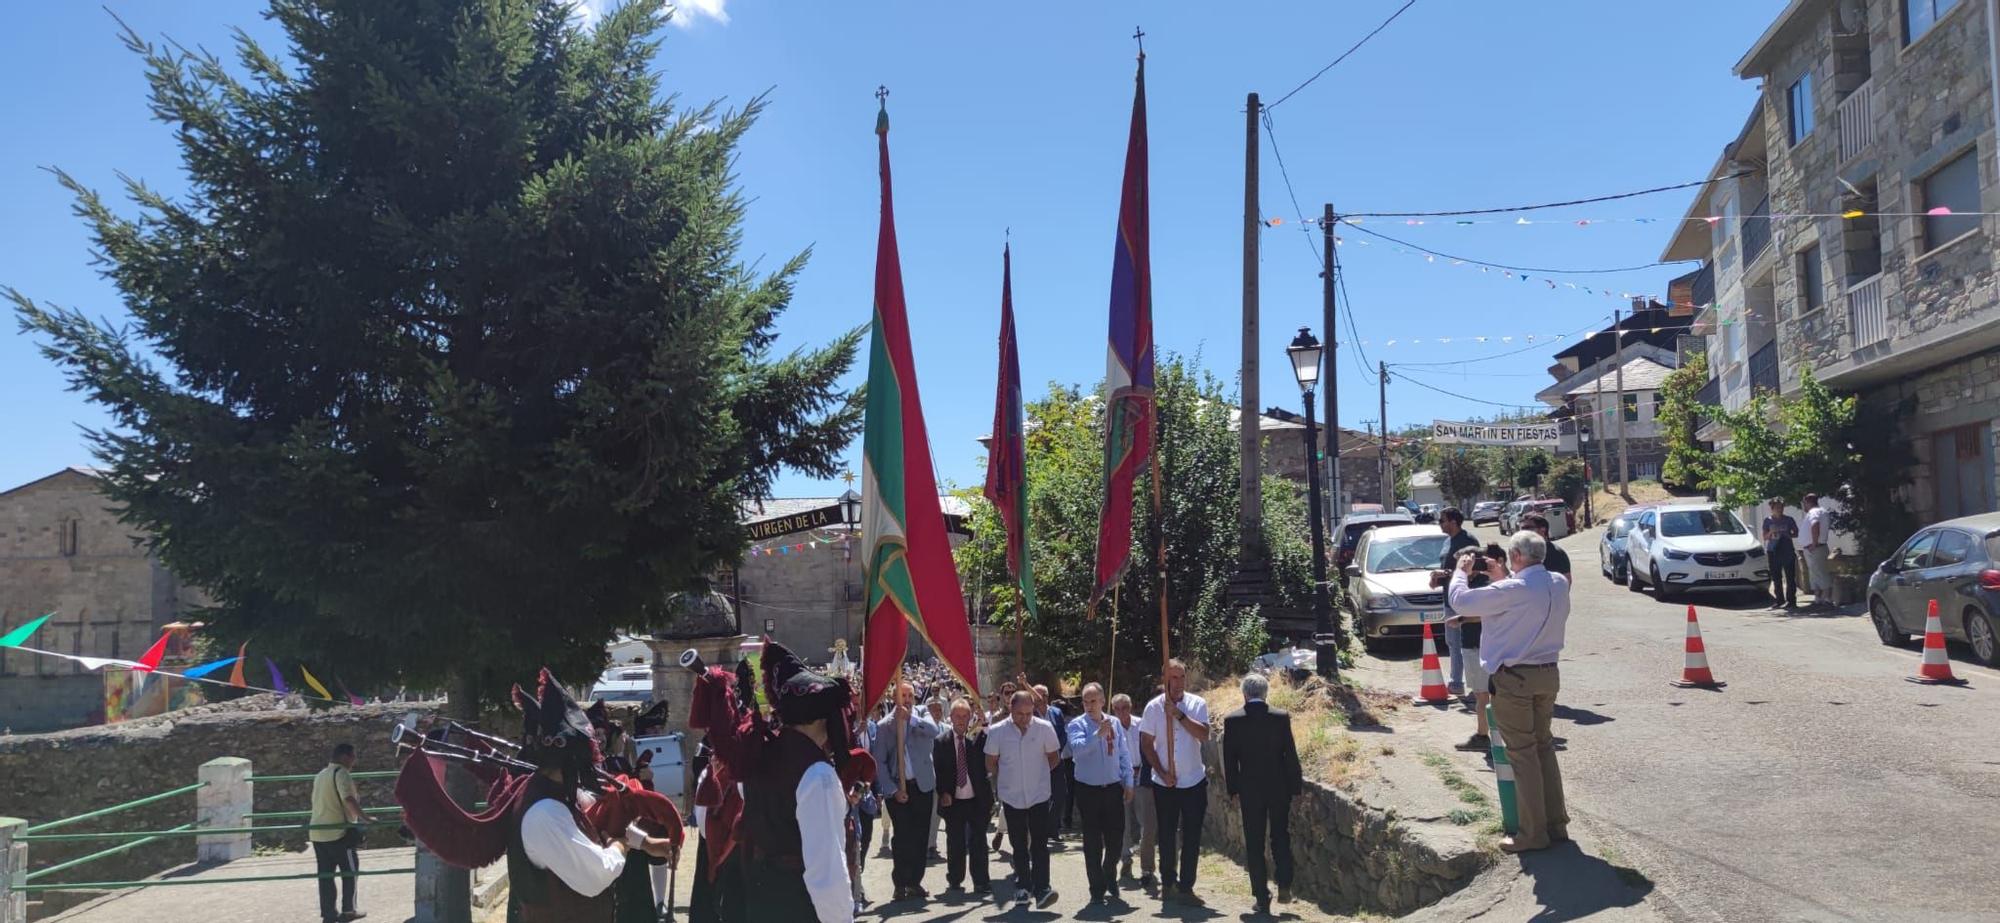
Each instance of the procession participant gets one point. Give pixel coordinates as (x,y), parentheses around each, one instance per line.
(943,721)
(1180,780)
(560,866)
(794,805)
(1102,788)
(966,796)
(905,775)
(1141,826)
(1020,752)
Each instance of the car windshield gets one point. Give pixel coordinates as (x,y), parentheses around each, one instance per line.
(1417,552)
(1700,522)
(1618,527)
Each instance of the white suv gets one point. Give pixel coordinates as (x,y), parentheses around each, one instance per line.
(1693,546)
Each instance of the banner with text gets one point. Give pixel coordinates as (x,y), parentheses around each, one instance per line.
(1542,434)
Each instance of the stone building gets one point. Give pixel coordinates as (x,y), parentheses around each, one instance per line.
(1855,236)
(1360,456)
(1586,395)
(63,550)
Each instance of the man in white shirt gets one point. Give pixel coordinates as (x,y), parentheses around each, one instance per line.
(1523,619)
(1819,531)
(1020,752)
(1170,737)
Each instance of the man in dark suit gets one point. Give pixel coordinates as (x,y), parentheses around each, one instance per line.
(965,799)
(1260,765)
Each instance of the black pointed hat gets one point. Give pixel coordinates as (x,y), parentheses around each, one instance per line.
(555,731)
(798,693)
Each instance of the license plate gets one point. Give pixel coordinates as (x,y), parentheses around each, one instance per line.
(1433,616)
(1718,575)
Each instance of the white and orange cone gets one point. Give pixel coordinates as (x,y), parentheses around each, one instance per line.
(1694,669)
(1936,668)
(1433,691)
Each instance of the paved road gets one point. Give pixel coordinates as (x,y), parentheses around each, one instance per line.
(1819,785)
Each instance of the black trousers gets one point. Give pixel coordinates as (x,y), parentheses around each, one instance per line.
(337,856)
(1262,812)
(965,841)
(910,823)
(1784,579)
(1059,795)
(1181,812)
(1103,810)
(1028,833)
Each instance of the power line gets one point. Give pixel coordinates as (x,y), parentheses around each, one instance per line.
(1343,55)
(1462,397)
(1547,271)
(1340,278)
(1512,352)
(1528,208)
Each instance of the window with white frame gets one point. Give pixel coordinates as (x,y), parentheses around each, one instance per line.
(1920,15)
(1950,200)
(1799,107)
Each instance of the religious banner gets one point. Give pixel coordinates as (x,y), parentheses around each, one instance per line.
(1542,434)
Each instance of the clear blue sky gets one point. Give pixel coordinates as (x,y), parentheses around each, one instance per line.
(1014,117)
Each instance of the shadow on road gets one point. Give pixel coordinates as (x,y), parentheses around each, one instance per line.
(1571,885)
(1583,716)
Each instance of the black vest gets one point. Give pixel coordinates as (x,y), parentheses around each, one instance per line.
(537,892)
(772,857)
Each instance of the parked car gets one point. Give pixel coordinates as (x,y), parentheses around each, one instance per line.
(1486,511)
(1510,515)
(1428,512)
(1611,552)
(1956,563)
(1351,529)
(1675,547)
(625,684)
(1389,588)
(1562,521)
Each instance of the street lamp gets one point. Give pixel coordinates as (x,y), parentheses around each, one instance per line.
(850,509)
(1305,355)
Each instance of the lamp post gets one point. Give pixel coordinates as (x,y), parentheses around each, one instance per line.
(1305,355)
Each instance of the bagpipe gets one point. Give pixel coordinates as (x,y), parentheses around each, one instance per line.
(474,840)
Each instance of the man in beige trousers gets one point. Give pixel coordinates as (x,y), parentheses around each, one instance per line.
(1524,616)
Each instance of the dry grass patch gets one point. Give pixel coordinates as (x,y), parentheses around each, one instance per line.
(1321,716)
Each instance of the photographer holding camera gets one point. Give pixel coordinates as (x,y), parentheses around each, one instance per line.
(1468,625)
(1523,617)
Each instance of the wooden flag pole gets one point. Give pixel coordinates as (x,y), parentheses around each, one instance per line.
(1020,633)
(1166,641)
(1111,672)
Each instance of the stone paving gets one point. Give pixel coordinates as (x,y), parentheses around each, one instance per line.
(385,898)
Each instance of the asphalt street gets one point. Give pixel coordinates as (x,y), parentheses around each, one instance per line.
(1818,785)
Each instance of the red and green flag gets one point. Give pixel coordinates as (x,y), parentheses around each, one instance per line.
(911,580)
(1128,377)
(1007,458)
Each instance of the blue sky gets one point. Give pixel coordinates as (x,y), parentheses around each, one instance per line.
(1007,116)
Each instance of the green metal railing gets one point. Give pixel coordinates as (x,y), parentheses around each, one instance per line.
(158,882)
(101,812)
(104,853)
(309,776)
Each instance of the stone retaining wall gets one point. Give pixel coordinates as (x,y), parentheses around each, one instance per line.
(1347,854)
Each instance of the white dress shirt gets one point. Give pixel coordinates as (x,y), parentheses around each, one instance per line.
(822,817)
(552,840)
(1815,517)
(962,744)
(1023,777)
(1189,771)
(1523,616)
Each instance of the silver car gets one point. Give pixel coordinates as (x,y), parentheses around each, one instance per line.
(1389,588)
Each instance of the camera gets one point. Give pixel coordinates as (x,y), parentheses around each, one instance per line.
(1480,556)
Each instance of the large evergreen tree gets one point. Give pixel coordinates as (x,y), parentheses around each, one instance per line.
(445,366)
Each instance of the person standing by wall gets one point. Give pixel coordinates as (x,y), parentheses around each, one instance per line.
(1260,767)
(1102,789)
(1141,825)
(905,775)
(335,834)
(1180,780)
(1779,533)
(1819,575)
(1523,618)
(1020,754)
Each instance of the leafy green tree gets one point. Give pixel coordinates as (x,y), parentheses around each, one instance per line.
(1531,469)
(1688,462)
(1806,450)
(1065,485)
(1872,506)
(1460,476)
(446,366)
(1566,478)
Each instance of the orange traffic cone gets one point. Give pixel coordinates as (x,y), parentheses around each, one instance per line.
(1433,691)
(1694,671)
(1936,668)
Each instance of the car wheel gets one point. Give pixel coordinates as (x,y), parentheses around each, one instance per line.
(1885,624)
(1631,577)
(1980,633)
(1660,587)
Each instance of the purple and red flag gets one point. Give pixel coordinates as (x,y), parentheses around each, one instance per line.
(1007,458)
(1128,378)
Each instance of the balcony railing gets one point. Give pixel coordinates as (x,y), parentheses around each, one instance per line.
(1857,122)
(1867,315)
(1764,367)
(1756,232)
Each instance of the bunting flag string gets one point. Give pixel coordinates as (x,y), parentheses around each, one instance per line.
(149,663)
(236,675)
(277,679)
(314,683)
(786,548)
(209,667)
(1710,220)
(19,636)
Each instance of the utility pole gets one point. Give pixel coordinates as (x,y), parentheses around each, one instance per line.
(1388,470)
(1330,385)
(1624,457)
(1250,514)
(1597,420)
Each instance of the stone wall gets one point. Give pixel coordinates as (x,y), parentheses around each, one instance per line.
(30,703)
(1355,856)
(66,773)
(1955,394)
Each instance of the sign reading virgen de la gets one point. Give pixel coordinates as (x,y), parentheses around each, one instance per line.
(1447,431)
